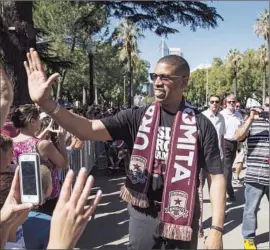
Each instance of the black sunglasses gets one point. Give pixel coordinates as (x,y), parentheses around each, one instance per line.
(231,102)
(162,77)
(212,102)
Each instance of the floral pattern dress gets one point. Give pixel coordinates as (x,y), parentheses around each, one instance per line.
(30,146)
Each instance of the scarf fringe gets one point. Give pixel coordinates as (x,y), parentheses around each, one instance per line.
(134,198)
(174,232)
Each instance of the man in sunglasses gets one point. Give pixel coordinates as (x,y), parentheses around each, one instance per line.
(213,114)
(233,120)
(256,131)
(148,130)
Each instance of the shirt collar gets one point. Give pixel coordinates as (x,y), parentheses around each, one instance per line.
(210,112)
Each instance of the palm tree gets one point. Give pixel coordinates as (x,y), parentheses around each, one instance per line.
(262,60)
(127,34)
(261,27)
(234,60)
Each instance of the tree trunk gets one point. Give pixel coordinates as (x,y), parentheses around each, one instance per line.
(130,94)
(84,96)
(264,84)
(17,36)
(91,79)
(61,83)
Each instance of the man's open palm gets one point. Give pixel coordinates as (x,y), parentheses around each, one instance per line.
(38,84)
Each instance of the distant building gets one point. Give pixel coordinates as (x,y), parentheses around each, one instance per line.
(165,50)
(175,51)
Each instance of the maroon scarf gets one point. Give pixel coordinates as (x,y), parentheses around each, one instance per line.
(180,185)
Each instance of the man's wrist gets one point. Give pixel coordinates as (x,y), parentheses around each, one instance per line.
(48,105)
(220,230)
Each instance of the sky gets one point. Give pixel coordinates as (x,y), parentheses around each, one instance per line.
(200,47)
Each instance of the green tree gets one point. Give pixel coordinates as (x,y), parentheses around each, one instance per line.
(127,34)
(157,16)
(262,60)
(261,27)
(234,59)
(17,35)
(72,33)
(69,23)
(195,91)
(219,78)
(141,75)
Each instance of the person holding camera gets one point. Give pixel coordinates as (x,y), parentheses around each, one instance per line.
(256,130)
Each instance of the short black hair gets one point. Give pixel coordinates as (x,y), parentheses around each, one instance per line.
(180,64)
(214,96)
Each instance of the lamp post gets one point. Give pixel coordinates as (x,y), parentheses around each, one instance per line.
(206,91)
(91,49)
(118,91)
(124,99)
(206,66)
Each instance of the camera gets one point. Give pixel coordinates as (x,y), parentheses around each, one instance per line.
(264,114)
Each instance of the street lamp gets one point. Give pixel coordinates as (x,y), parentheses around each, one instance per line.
(124,98)
(118,91)
(206,66)
(91,49)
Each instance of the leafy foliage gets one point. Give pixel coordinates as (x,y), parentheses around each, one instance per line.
(250,78)
(261,27)
(67,27)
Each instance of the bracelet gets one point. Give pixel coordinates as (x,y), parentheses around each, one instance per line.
(221,230)
(55,111)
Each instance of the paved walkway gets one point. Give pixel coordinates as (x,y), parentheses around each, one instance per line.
(109,229)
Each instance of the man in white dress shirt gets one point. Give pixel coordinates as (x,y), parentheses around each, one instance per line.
(212,113)
(233,120)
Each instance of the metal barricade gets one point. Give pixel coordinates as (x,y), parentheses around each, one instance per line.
(93,154)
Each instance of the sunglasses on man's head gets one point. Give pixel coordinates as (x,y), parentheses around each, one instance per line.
(212,102)
(162,77)
(231,102)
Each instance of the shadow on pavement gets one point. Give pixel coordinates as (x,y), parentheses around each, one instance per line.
(111,220)
(262,238)
(234,212)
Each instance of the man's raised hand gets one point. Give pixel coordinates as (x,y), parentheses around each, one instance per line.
(38,84)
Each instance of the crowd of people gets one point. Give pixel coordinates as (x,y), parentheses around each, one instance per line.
(59,220)
(168,149)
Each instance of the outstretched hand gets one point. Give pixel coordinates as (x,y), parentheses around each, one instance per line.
(38,84)
(71,215)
